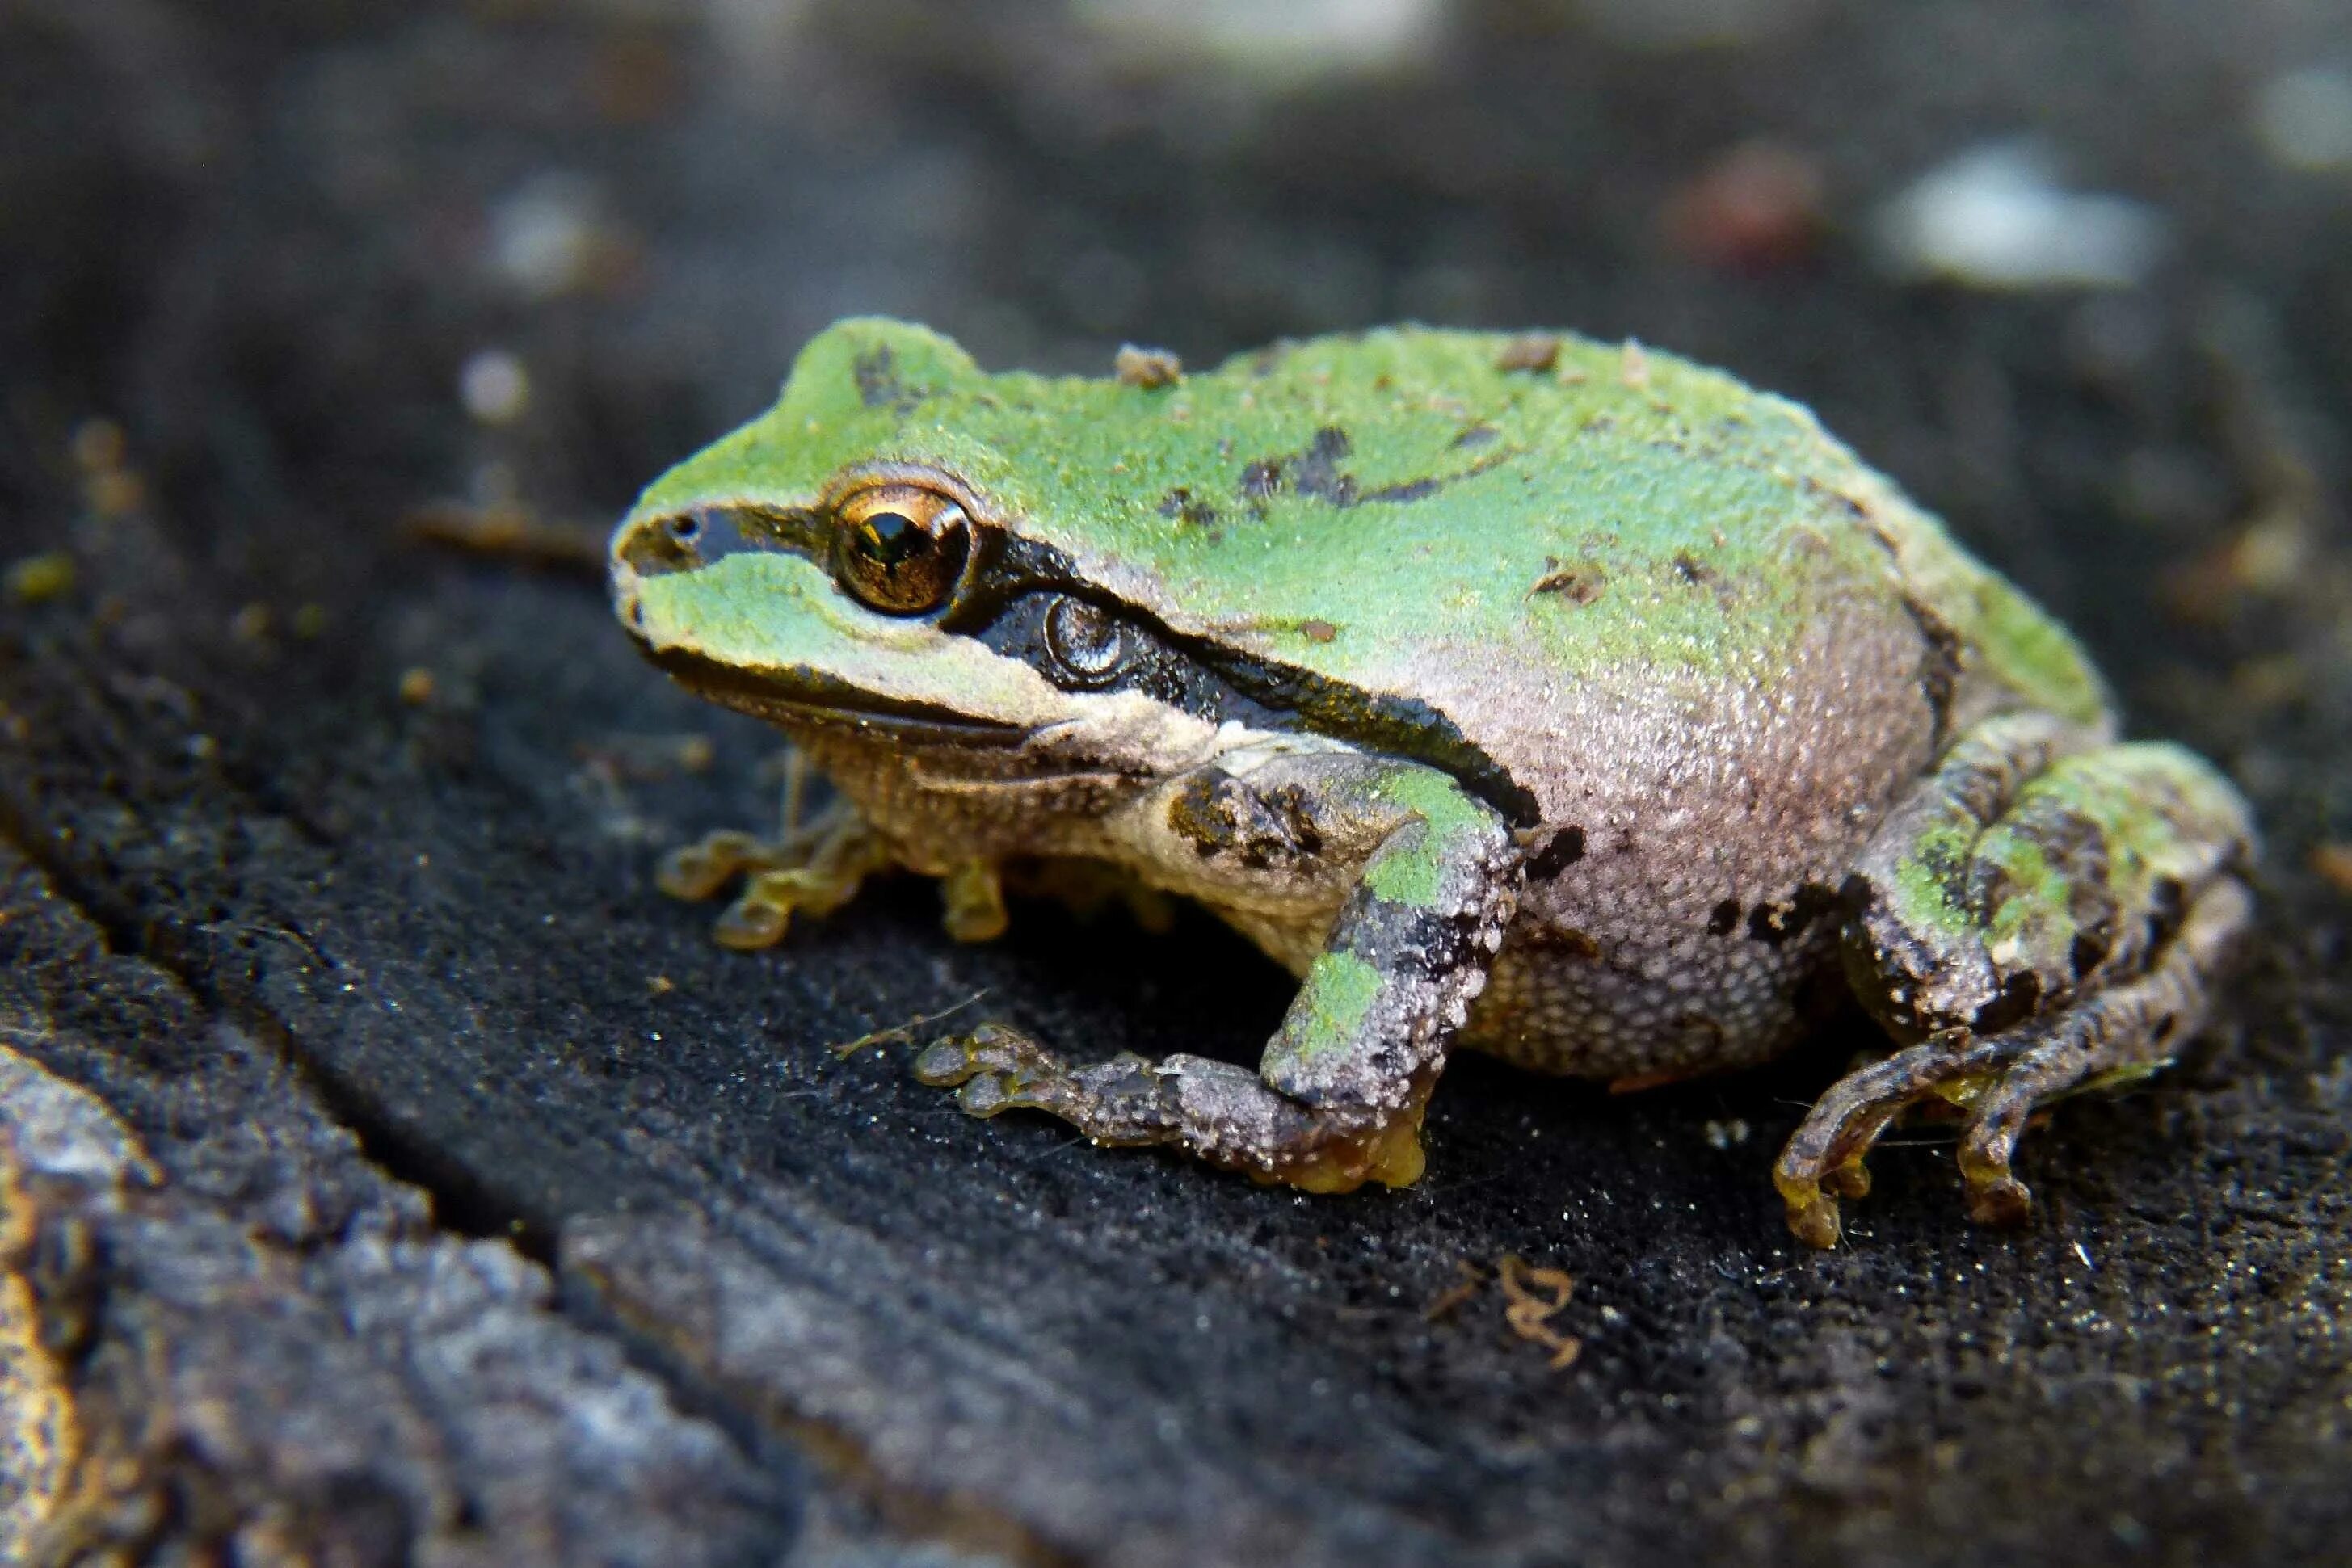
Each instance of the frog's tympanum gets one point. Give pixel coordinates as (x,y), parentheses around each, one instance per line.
(1563,701)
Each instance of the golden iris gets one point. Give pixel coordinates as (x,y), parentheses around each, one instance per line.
(900,548)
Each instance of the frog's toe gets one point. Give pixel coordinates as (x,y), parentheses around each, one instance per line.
(751,923)
(760,917)
(812,868)
(697,871)
(992,1049)
(972,899)
(1823,1158)
(996,1069)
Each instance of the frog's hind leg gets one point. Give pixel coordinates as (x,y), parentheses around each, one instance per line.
(1337,1099)
(2049,920)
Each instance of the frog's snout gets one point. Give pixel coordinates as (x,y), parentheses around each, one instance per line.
(650,546)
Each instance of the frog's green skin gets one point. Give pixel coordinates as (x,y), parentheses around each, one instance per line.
(1561,700)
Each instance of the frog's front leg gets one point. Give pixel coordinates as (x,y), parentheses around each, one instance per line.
(2049,915)
(1339,1094)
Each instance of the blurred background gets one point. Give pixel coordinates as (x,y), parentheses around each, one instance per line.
(286,285)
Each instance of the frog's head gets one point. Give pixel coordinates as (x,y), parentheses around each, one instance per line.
(866,557)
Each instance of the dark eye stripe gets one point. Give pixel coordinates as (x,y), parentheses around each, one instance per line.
(701,535)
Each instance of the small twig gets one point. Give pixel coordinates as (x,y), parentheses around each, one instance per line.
(1457,1295)
(903,1033)
(508,531)
(1530,1313)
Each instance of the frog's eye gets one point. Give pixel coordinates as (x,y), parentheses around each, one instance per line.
(899,549)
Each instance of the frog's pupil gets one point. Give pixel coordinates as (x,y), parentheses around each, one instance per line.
(893,538)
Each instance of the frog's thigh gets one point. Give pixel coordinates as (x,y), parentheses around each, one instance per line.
(2047,920)
(1339,1095)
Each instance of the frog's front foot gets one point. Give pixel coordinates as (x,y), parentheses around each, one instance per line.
(2054,921)
(811,868)
(997,1068)
(1337,1097)
(1220,1113)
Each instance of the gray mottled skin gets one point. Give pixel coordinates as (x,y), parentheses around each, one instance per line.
(1712,823)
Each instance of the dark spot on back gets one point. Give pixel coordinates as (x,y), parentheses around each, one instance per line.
(1566,848)
(1185,507)
(1315,474)
(1726,916)
(878,386)
(1316,471)
(1690,569)
(1477,436)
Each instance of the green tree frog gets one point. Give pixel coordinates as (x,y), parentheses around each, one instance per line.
(1520,693)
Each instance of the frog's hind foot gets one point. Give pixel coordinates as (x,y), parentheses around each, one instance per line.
(811,868)
(2125,1030)
(2049,913)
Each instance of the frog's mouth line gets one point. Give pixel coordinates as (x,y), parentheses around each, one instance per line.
(804,698)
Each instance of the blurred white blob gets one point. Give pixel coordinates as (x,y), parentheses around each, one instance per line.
(2304,117)
(494,387)
(543,237)
(1995,217)
(1275,37)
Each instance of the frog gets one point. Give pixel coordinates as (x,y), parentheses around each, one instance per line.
(1516,691)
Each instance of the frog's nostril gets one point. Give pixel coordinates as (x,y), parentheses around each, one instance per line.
(652,546)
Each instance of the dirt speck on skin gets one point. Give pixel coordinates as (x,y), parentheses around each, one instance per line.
(1535,351)
(1150,369)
